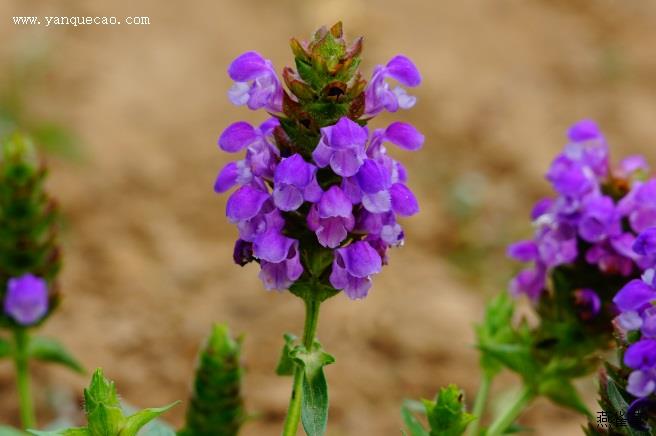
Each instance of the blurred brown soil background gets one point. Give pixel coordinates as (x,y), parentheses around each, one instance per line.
(148,263)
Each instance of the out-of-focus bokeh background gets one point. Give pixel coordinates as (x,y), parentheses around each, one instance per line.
(148,263)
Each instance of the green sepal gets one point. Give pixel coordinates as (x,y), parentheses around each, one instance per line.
(314,405)
(50,350)
(317,260)
(446,415)
(286,363)
(312,289)
(135,422)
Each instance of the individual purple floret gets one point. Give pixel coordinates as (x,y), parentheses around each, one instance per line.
(26,300)
(295,183)
(353,267)
(378,94)
(257,85)
(585,221)
(342,147)
(318,197)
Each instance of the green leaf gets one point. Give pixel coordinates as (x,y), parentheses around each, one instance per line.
(286,363)
(446,415)
(10,431)
(496,329)
(134,422)
(563,393)
(6,350)
(411,422)
(50,350)
(517,357)
(314,405)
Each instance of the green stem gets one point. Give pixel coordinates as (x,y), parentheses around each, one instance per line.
(479,403)
(505,420)
(21,359)
(294,411)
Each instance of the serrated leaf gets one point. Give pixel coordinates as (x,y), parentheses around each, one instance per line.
(286,363)
(563,393)
(411,422)
(135,422)
(50,350)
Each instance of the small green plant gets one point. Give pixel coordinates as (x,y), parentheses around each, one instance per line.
(105,417)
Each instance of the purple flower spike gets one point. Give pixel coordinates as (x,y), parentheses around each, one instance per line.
(378,95)
(342,146)
(295,183)
(331,219)
(257,85)
(26,300)
(353,267)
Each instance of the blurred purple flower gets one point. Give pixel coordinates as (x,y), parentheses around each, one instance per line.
(26,299)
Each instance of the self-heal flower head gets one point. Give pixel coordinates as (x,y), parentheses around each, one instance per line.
(586,221)
(379,96)
(318,199)
(257,85)
(26,299)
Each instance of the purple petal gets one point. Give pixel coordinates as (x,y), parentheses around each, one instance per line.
(272,246)
(541,207)
(645,244)
(346,162)
(287,197)
(357,288)
(227,178)
(243,252)
(403,200)
(584,130)
(632,164)
(378,202)
(294,170)
(245,203)
(404,135)
(361,260)
(641,355)
(372,177)
(634,295)
(26,299)
(402,69)
(347,134)
(332,232)
(334,203)
(523,251)
(322,154)
(237,137)
(313,191)
(640,384)
(248,66)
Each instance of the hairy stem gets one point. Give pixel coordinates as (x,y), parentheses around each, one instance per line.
(21,358)
(505,420)
(294,410)
(480,403)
